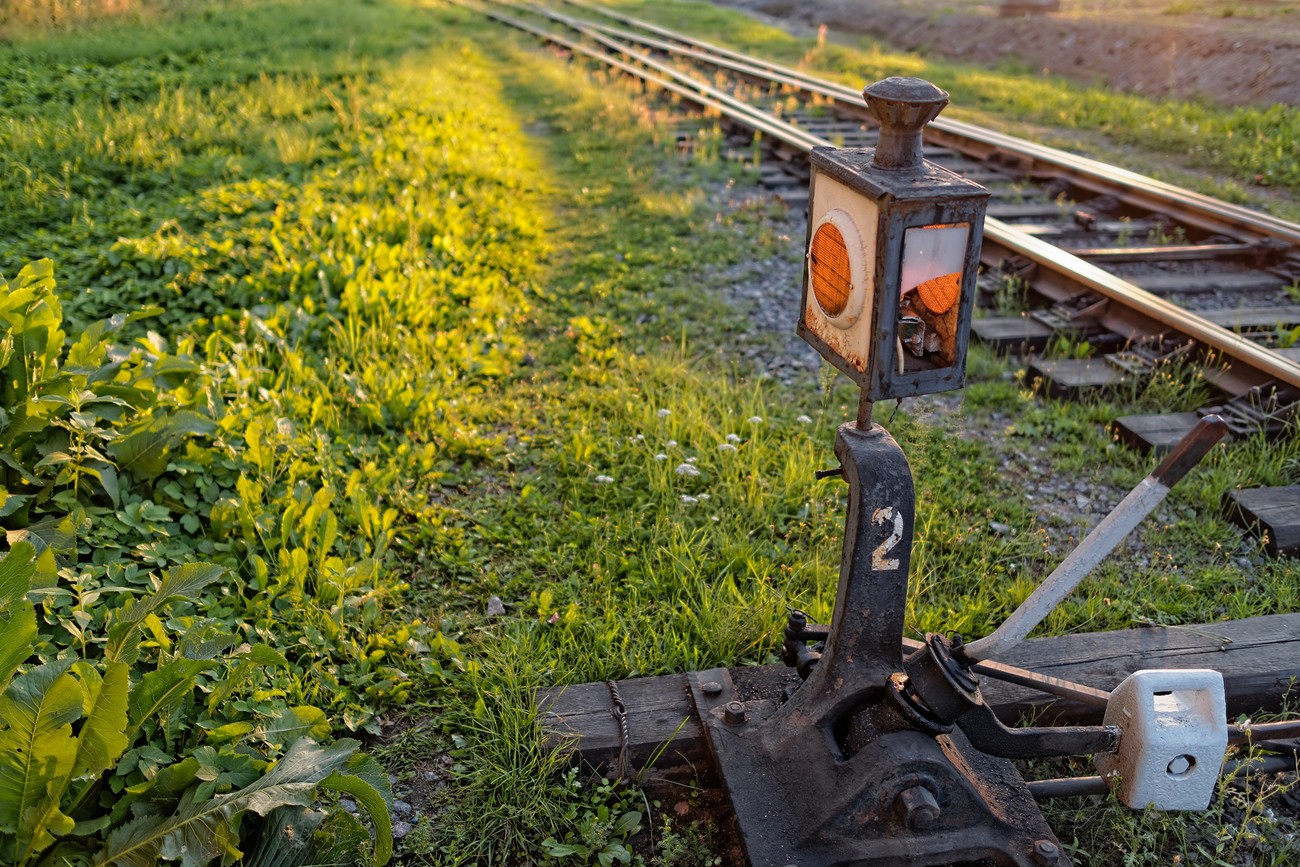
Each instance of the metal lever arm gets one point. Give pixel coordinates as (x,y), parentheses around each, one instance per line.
(988,735)
(1103,539)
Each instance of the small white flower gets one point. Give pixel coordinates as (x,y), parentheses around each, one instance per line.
(726,447)
(664,413)
(688,499)
(661,457)
(803,419)
(704,496)
(686,470)
(691,460)
(715,518)
(733,438)
(604,480)
(638,438)
(671,444)
(755,419)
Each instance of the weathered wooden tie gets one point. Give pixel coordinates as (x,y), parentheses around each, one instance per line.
(1259,659)
(1272,514)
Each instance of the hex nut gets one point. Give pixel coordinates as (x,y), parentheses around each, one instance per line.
(734,713)
(917,808)
(1046,852)
(1181,766)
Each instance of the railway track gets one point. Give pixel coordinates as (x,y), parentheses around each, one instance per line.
(1145,272)
(1143,275)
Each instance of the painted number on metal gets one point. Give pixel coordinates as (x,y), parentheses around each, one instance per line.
(884,515)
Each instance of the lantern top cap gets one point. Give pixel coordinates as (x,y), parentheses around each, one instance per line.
(903,105)
(905,89)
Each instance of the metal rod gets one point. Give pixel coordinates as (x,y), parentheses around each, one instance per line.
(1067,787)
(864,411)
(1269,731)
(1103,539)
(1073,787)
(1044,683)
(1057,686)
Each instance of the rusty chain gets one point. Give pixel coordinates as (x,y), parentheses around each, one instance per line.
(618,711)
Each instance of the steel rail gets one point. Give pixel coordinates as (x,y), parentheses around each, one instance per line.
(577,48)
(702,93)
(1198,209)
(1251,364)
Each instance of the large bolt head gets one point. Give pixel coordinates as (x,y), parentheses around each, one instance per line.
(1046,852)
(917,808)
(734,713)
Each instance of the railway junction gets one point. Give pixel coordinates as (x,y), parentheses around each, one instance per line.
(567,433)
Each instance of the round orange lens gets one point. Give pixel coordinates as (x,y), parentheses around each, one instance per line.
(828,268)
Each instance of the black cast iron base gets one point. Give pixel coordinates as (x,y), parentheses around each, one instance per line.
(852,768)
(906,799)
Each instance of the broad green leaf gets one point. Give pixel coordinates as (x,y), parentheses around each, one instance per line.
(183,581)
(257,454)
(367,782)
(286,839)
(160,691)
(16,569)
(160,794)
(201,830)
(10,503)
(102,738)
(17,614)
(144,452)
(37,754)
(52,532)
(292,723)
(229,731)
(265,654)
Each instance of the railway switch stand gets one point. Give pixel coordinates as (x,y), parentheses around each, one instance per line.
(877,758)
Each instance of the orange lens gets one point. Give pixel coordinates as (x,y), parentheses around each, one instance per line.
(828,268)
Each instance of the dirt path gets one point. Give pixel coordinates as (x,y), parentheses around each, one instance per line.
(1244,53)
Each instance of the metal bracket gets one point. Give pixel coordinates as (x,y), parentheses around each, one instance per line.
(853,767)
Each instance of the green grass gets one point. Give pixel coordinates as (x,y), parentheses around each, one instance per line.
(450,306)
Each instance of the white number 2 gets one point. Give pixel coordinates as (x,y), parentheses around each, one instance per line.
(884,515)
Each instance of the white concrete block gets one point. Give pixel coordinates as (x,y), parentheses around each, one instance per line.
(1174,732)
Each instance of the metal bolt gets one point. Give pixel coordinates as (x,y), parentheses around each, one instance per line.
(1181,765)
(712,687)
(917,808)
(1046,852)
(734,713)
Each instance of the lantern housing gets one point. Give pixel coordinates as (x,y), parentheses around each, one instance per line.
(892,253)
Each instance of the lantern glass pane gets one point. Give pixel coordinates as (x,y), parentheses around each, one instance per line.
(930,289)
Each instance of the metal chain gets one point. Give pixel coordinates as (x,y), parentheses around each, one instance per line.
(619,712)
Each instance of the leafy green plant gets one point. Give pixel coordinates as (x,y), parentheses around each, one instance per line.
(68,722)
(597,831)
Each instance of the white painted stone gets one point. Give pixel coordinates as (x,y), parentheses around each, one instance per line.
(1174,732)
